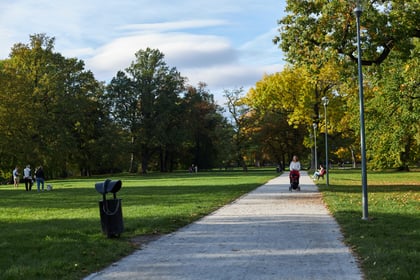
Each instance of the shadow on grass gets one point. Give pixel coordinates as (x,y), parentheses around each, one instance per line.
(75,247)
(55,249)
(70,198)
(388,244)
(370,188)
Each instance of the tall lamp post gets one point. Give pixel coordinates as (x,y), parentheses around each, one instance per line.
(325,102)
(315,125)
(358,13)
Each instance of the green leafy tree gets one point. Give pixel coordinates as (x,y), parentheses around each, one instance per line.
(204,127)
(238,113)
(48,107)
(311,27)
(394,114)
(144,102)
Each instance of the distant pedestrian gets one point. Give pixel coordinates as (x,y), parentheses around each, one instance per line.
(16,177)
(27,178)
(294,168)
(40,178)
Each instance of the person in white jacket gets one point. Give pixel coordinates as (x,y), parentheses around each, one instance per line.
(294,168)
(295,164)
(27,178)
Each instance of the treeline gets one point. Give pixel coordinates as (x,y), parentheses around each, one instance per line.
(53,112)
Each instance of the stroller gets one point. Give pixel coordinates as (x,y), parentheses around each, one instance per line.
(294,180)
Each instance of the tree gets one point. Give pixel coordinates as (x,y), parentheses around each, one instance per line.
(278,114)
(48,106)
(170,131)
(144,99)
(238,113)
(204,127)
(326,26)
(394,114)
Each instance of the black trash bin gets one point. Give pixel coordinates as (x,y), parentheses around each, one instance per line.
(110,209)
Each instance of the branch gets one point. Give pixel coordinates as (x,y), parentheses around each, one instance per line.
(387,49)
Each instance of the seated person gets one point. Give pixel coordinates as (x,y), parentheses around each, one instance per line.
(320,172)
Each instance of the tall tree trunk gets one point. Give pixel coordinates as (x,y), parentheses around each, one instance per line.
(163,160)
(353,157)
(404,156)
(144,162)
(132,168)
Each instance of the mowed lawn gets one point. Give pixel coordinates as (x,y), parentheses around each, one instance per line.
(388,244)
(57,234)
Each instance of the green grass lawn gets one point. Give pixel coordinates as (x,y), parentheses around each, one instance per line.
(57,234)
(388,244)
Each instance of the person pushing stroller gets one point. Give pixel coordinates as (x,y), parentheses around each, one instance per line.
(294,173)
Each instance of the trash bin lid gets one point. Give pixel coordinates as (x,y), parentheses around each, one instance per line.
(113,186)
(108,186)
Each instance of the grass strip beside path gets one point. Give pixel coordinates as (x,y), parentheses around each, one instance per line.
(388,244)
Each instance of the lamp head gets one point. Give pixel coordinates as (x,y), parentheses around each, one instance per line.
(358,10)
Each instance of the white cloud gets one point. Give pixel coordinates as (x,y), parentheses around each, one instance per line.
(172,25)
(180,49)
(231,76)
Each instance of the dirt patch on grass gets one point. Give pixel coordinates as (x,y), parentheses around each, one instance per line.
(141,240)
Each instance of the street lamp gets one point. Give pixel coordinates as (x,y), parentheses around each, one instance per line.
(325,102)
(315,125)
(358,13)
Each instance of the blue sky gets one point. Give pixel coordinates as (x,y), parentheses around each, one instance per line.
(224,43)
